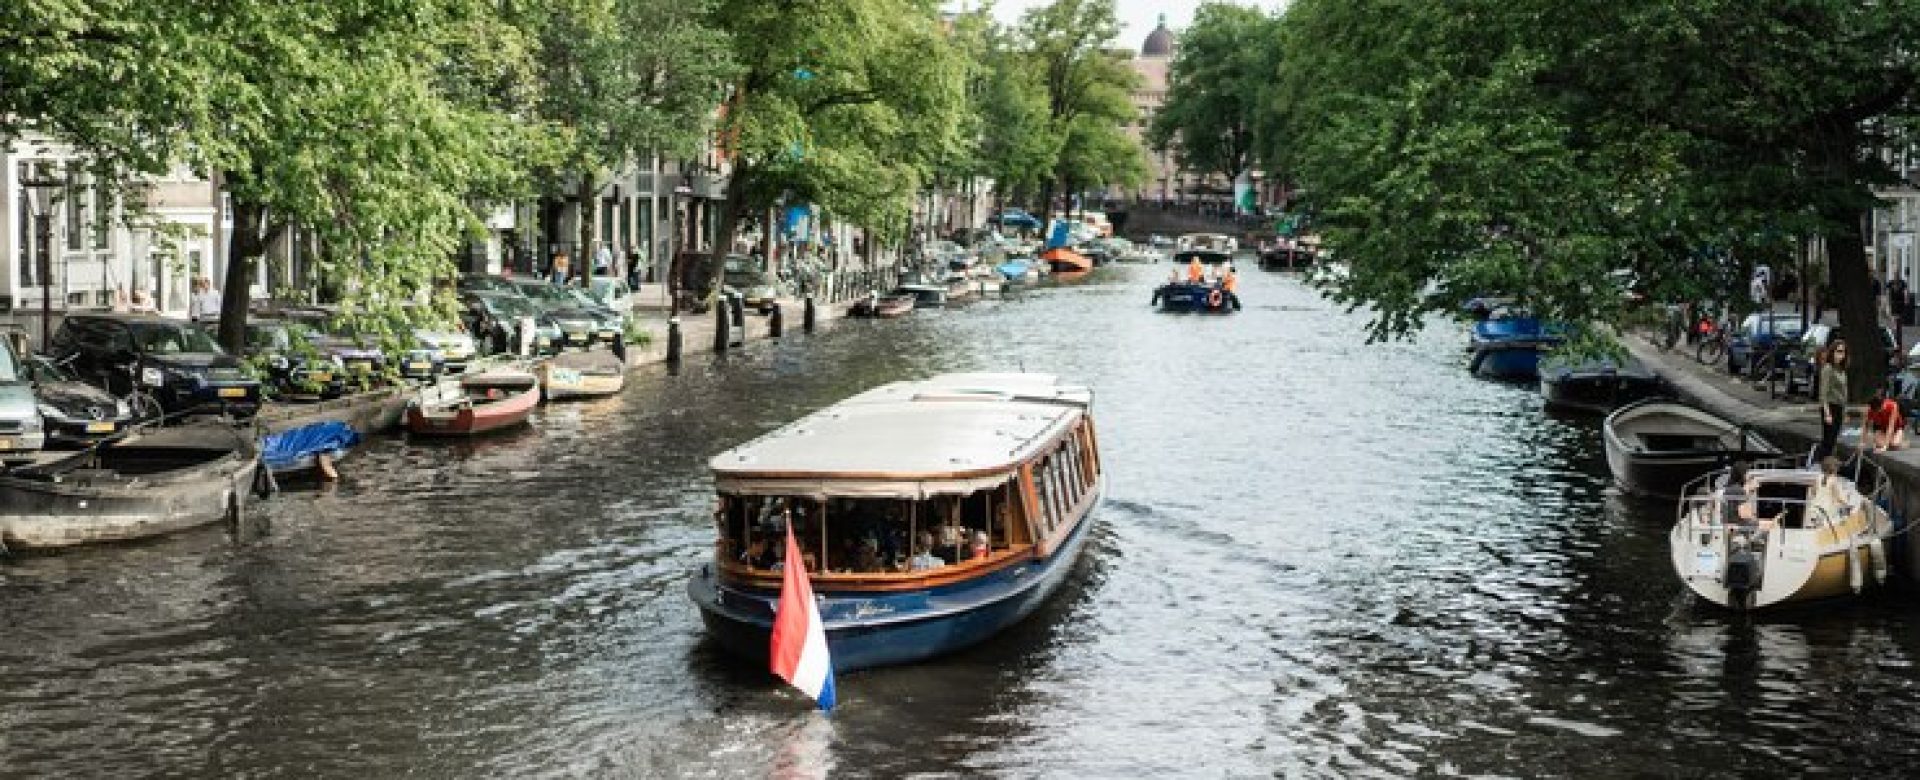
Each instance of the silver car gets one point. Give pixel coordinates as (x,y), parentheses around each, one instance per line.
(21,429)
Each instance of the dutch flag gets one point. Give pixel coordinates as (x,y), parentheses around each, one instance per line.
(799,646)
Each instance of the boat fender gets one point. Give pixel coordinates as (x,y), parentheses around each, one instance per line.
(1856,569)
(1877,555)
(1213,299)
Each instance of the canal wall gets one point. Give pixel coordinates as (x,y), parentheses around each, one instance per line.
(1796,427)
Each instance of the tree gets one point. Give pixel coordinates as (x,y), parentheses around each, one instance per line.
(1069,44)
(619,79)
(1531,149)
(846,104)
(1216,89)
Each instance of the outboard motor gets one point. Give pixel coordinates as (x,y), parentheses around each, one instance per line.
(1744,569)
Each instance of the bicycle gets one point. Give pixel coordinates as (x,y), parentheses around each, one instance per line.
(1713,347)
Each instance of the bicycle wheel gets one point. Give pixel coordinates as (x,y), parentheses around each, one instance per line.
(1710,351)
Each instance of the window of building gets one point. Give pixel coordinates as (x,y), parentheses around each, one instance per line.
(102,215)
(76,201)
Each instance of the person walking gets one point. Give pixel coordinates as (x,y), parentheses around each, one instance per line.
(1832,396)
(1901,300)
(204,305)
(558,272)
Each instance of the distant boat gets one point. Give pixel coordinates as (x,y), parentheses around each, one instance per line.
(882,306)
(1066,261)
(930,515)
(1656,447)
(142,486)
(1202,298)
(1600,385)
(1509,346)
(1013,270)
(925,296)
(479,403)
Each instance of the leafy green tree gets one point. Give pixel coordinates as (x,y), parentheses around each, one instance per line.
(620,79)
(1535,149)
(1069,43)
(1216,89)
(846,103)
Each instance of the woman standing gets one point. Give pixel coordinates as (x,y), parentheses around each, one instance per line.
(1832,396)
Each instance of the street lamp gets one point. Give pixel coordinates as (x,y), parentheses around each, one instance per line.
(43,193)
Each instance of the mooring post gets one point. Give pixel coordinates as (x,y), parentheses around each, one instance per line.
(807,315)
(775,322)
(721,339)
(673,340)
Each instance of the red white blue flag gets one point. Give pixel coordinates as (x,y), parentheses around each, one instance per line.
(799,647)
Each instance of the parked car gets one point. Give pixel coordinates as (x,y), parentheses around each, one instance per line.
(1800,372)
(1757,335)
(362,362)
(452,348)
(21,426)
(758,289)
(163,366)
(495,316)
(474,282)
(612,293)
(74,413)
(582,322)
(292,360)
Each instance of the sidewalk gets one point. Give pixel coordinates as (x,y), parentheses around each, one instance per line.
(697,330)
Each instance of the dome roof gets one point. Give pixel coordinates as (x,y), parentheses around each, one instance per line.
(1159,42)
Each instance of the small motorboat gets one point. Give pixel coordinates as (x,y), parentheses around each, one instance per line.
(1599,386)
(1066,261)
(1812,537)
(478,403)
(925,295)
(581,375)
(882,306)
(132,488)
(1508,344)
(1203,298)
(1014,270)
(311,448)
(1655,447)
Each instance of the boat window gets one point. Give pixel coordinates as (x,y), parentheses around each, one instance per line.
(1043,481)
(860,536)
(1785,500)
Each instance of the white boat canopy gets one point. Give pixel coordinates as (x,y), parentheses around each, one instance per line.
(953,434)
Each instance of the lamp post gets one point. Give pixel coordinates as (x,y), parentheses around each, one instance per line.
(43,193)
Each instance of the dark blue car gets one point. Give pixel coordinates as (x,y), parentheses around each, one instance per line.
(1757,335)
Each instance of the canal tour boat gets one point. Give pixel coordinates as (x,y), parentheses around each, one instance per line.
(1656,447)
(1813,536)
(931,515)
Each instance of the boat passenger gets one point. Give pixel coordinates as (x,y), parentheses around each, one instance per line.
(979,548)
(1196,273)
(1737,502)
(1886,427)
(924,559)
(1829,490)
(1229,282)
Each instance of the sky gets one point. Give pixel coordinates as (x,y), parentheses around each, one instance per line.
(1137,17)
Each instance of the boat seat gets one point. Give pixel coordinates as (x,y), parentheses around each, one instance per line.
(1667,442)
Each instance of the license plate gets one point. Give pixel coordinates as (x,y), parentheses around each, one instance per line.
(233,392)
(100,427)
(607,334)
(419,368)
(577,338)
(6,444)
(322,376)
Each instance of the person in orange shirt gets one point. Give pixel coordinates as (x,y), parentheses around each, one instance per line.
(1229,281)
(1195,272)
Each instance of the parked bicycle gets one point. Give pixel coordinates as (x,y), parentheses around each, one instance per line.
(1714,347)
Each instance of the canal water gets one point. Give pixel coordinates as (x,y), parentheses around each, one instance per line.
(1317,557)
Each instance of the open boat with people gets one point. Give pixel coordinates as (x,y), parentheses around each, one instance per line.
(1804,536)
(144,485)
(930,515)
(1195,297)
(1599,385)
(885,307)
(1655,447)
(478,403)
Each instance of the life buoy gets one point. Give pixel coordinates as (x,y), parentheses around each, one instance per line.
(1213,299)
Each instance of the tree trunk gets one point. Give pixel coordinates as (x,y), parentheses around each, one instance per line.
(589,224)
(253,230)
(729,222)
(1853,295)
(1046,207)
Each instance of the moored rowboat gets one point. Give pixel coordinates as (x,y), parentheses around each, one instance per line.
(581,375)
(477,404)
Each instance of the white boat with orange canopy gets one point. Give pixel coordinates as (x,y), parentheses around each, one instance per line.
(931,515)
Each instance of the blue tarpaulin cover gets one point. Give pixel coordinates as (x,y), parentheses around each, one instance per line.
(292,448)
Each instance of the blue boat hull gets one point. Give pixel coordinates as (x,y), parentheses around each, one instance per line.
(1508,360)
(1194,298)
(865,631)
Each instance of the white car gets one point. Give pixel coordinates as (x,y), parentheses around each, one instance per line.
(455,348)
(612,293)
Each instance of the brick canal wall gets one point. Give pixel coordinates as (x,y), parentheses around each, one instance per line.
(1795,427)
